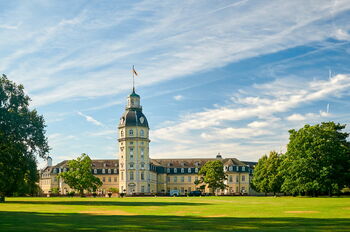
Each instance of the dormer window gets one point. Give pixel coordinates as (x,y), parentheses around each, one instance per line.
(109,171)
(230,168)
(196,170)
(243,168)
(189,170)
(103,171)
(182,170)
(175,170)
(95,171)
(168,170)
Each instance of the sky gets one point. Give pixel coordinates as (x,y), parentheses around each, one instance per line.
(228,77)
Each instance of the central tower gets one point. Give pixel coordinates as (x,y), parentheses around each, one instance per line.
(134,163)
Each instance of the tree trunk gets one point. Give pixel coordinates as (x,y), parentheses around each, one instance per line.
(81,192)
(2,199)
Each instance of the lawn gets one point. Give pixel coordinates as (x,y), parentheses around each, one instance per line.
(176,214)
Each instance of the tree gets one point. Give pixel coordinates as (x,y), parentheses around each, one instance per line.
(260,177)
(22,139)
(79,175)
(212,174)
(317,160)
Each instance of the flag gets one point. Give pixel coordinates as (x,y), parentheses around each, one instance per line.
(134,71)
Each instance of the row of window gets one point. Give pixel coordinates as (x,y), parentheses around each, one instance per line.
(182,179)
(230,178)
(131,176)
(106,171)
(115,179)
(236,168)
(131,133)
(182,170)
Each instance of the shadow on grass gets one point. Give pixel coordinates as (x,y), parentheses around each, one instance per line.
(33,221)
(106,203)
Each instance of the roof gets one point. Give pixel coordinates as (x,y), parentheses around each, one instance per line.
(133,94)
(133,117)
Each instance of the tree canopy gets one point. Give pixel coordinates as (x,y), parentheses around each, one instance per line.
(79,175)
(22,139)
(267,177)
(317,160)
(212,174)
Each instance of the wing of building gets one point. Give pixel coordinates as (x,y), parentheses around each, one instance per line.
(136,173)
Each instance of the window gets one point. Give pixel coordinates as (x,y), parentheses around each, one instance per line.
(189,179)
(182,179)
(142,176)
(131,165)
(182,189)
(189,189)
(103,171)
(230,168)
(95,171)
(142,133)
(142,152)
(182,170)
(196,170)
(109,171)
(175,178)
(168,170)
(115,171)
(142,189)
(142,165)
(243,178)
(103,179)
(131,132)
(131,175)
(237,179)
(175,170)
(196,178)
(115,179)
(189,170)
(121,133)
(109,179)
(230,178)
(131,152)
(168,178)
(243,169)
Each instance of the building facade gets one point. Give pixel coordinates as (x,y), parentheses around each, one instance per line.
(135,173)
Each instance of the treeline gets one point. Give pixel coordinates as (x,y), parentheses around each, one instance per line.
(317,162)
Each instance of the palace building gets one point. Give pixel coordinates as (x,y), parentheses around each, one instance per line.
(135,173)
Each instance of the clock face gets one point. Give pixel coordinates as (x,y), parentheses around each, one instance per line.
(142,119)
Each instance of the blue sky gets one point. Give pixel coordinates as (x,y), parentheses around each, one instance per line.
(215,76)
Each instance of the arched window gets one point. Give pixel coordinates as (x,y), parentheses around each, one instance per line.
(131,132)
(142,133)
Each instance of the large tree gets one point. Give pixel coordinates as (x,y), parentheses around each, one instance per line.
(22,139)
(317,160)
(266,177)
(212,175)
(79,175)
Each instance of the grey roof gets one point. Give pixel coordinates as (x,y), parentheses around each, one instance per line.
(133,117)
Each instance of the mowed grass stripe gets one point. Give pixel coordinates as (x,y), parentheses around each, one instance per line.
(176,214)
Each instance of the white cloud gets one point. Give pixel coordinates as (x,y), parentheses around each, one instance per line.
(90,119)
(342,35)
(178,97)
(173,41)
(296,117)
(213,125)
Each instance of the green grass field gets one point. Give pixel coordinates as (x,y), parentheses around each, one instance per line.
(175,214)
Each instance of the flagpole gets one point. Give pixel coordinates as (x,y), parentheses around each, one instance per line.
(133,78)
